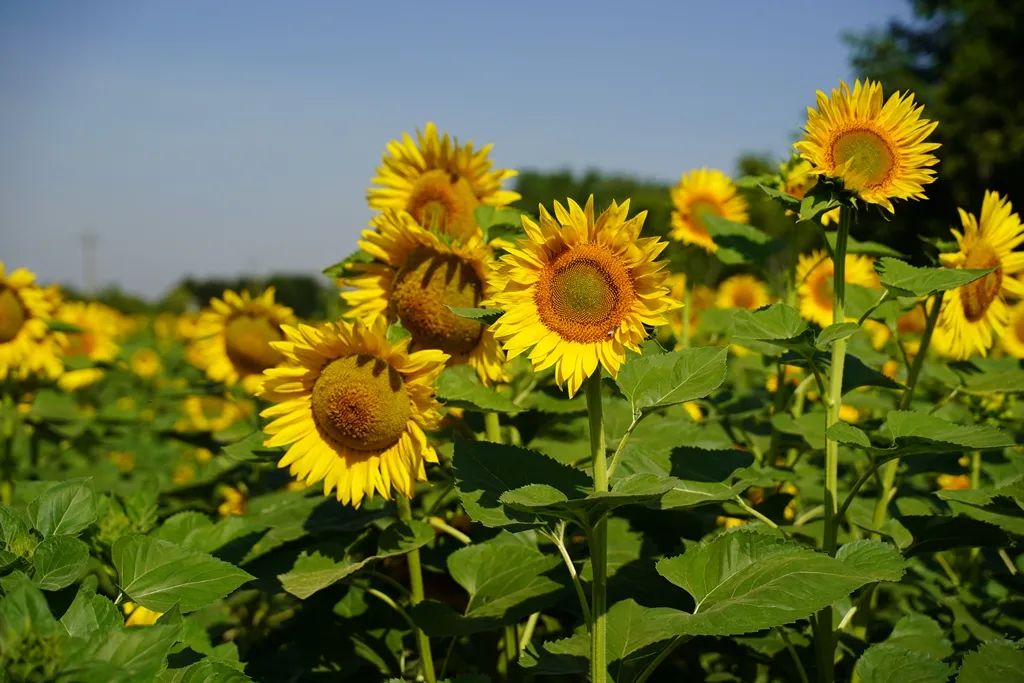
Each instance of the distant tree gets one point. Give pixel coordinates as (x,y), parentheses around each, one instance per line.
(962,58)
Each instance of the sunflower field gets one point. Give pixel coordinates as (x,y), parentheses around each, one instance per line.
(554,445)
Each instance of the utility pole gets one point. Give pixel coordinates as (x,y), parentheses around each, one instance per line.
(89,240)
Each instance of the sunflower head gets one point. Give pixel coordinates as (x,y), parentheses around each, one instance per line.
(877,149)
(701,192)
(98,325)
(815,277)
(579,290)
(439,181)
(417,276)
(352,408)
(973,315)
(742,291)
(233,337)
(25,345)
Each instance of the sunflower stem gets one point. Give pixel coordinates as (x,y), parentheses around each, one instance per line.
(598,536)
(889,469)
(824,637)
(416,593)
(492,427)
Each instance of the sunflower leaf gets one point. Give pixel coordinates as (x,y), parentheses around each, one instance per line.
(739,243)
(998,660)
(908,433)
(903,279)
(483,315)
(459,387)
(665,379)
(888,663)
(345,267)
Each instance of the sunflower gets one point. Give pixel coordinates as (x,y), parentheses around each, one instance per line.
(876,149)
(797,178)
(208,413)
(145,362)
(98,326)
(353,408)
(974,314)
(701,192)
(439,181)
(814,275)
(742,291)
(418,276)
(25,346)
(1013,338)
(233,337)
(578,291)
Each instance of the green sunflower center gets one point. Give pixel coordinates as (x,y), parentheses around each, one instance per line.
(12,315)
(426,285)
(442,202)
(361,403)
(584,294)
(977,296)
(869,156)
(247,343)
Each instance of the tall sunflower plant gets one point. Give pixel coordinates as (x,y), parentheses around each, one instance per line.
(564,442)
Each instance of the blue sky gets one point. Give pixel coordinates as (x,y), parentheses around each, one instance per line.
(223,137)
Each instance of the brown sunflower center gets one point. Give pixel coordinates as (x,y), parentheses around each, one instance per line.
(247,343)
(977,296)
(12,314)
(869,155)
(584,293)
(822,285)
(426,285)
(1018,328)
(743,298)
(443,202)
(361,403)
(211,407)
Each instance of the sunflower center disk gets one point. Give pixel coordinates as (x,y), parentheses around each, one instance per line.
(424,288)
(870,159)
(977,296)
(443,203)
(361,403)
(247,343)
(12,315)
(584,294)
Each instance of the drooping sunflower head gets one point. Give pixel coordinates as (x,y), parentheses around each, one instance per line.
(439,181)
(98,325)
(877,148)
(701,192)
(579,290)
(742,291)
(352,408)
(233,337)
(973,315)
(25,346)
(416,277)
(815,277)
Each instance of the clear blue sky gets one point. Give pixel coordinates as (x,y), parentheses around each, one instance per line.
(222,137)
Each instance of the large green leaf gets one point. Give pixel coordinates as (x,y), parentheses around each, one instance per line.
(887,663)
(206,670)
(903,279)
(1001,505)
(506,580)
(777,324)
(59,561)
(547,501)
(999,660)
(738,243)
(908,432)
(90,615)
(635,635)
(126,654)
(744,582)
(484,471)
(459,387)
(159,575)
(328,564)
(665,379)
(922,634)
(64,509)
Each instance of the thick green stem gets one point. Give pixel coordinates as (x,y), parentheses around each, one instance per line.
(416,594)
(492,427)
(824,637)
(890,468)
(598,537)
